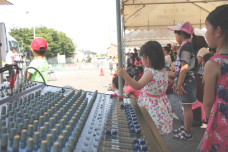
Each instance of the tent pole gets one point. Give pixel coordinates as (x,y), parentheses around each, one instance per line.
(1,66)
(179,2)
(120,48)
(124,48)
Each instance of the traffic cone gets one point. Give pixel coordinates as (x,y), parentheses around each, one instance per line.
(101,73)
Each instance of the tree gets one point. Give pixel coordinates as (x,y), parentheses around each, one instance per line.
(58,42)
(89,59)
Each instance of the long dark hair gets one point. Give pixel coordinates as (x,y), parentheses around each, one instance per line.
(198,42)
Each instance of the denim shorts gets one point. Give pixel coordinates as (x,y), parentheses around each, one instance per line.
(190,87)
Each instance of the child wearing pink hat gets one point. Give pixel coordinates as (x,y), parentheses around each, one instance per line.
(185,83)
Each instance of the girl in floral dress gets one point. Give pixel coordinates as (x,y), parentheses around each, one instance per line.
(215,98)
(153,83)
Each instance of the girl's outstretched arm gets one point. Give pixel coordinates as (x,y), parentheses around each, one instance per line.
(137,85)
(211,72)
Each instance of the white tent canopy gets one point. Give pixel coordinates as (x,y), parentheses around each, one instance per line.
(138,38)
(148,19)
(158,14)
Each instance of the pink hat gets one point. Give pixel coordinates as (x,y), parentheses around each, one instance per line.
(38,43)
(182,26)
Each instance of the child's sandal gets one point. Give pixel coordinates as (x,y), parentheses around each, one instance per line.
(178,130)
(183,135)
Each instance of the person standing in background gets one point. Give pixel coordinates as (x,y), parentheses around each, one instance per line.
(135,55)
(10,57)
(200,46)
(171,52)
(110,61)
(168,60)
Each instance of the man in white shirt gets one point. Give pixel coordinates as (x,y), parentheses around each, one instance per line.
(10,57)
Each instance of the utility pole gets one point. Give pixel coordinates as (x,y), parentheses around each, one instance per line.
(34,27)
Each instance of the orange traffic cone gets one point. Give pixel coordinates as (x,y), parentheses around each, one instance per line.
(101,73)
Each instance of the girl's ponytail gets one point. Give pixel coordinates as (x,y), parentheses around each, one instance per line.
(193,34)
(194,43)
(195,48)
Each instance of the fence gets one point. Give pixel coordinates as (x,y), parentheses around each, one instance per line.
(77,66)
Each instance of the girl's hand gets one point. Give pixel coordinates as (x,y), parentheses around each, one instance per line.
(180,90)
(120,71)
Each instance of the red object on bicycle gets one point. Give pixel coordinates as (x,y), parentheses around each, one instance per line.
(15,78)
(12,80)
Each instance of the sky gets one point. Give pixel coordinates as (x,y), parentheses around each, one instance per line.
(90,24)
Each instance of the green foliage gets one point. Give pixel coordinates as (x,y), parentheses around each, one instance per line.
(89,59)
(58,42)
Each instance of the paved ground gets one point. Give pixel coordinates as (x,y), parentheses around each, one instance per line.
(87,78)
(184,146)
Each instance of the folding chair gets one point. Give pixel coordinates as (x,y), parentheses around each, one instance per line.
(51,75)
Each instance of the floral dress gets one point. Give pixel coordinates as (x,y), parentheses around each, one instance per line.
(216,134)
(153,98)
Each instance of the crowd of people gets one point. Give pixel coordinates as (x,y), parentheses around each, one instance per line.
(180,79)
